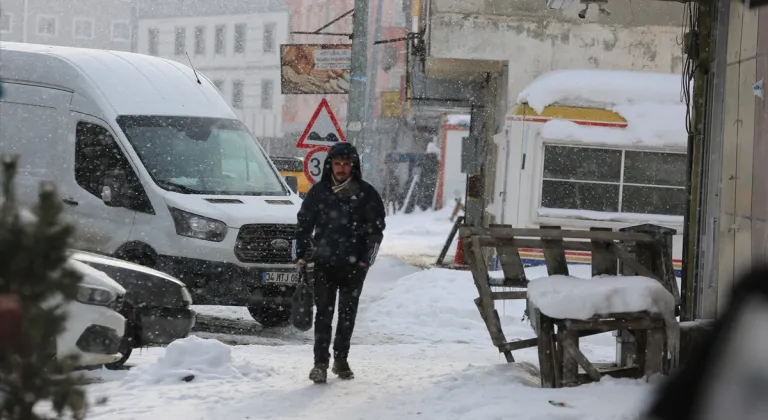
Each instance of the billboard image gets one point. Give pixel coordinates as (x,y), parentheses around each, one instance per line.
(311,69)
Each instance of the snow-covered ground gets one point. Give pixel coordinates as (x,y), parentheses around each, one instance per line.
(420,350)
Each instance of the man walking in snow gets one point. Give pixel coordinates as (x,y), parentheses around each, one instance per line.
(347,216)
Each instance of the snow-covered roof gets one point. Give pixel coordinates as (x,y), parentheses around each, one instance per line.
(601,89)
(651,104)
(458,119)
(132,84)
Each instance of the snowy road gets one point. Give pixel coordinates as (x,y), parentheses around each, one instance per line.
(420,351)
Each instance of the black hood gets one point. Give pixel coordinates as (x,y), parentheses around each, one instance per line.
(342,149)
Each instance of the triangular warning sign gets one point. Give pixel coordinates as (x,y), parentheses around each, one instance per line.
(323,129)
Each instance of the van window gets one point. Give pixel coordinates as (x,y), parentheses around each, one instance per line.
(96,153)
(202,155)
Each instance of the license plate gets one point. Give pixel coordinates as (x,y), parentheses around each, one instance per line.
(280,277)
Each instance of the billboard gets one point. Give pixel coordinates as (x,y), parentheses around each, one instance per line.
(312,69)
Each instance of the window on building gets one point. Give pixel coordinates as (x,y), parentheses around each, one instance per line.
(219,85)
(153,39)
(612,180)
(238,94)
(240,29)
(121,31)
(83,28)
(180,41)
(269,37)
(47,25)
(199,40)
(221,37)
(6,23)
(267,93)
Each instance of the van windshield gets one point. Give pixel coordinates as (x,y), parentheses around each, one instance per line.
(196,155)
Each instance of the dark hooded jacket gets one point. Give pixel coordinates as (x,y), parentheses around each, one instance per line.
(348,227)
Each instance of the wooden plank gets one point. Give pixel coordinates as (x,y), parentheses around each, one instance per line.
(667,267)
(511,264)
(519,344)
(604,262)
(606,325)
(570,366)
(490,241)
(511,233)
(630,261)
(573,352)
(546,349)
(480,274)
(489,326)
(554,254)
(654,352)
(509,295)
(558,358)
(509,283)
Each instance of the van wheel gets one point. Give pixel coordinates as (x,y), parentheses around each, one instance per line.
(140,258)
(126,348)
(271,316)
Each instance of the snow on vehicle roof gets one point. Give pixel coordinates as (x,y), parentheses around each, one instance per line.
(601,89)
(651,103)
(132,84)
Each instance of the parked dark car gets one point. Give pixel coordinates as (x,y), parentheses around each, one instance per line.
(156,307)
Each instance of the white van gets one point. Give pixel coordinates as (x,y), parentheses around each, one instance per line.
(155,168)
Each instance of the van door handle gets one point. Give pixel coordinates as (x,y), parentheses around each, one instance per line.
(69,201)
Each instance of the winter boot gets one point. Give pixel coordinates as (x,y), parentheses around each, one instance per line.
(319,373)
(341,368)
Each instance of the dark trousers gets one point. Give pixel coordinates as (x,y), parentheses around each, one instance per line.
(347,281)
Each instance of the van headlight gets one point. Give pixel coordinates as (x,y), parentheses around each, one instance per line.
(199,227)
(93,295)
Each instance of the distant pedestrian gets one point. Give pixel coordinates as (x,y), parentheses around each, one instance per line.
(347,216)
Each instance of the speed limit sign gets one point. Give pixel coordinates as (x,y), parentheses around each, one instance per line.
(313,164)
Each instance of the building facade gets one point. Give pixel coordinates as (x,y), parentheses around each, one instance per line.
(103,24)
(235,44)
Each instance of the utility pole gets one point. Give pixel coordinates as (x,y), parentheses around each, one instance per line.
(356,106)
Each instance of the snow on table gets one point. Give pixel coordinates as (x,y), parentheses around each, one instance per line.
(565,297)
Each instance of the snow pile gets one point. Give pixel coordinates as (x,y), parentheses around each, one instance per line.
(649,102)
(458,119)
(437,306)
(601,89)
(192,359)
(418,237)
(574,298)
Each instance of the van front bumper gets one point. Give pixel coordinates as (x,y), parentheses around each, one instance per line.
(218,283)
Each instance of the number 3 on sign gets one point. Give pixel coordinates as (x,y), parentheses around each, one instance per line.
(313,164)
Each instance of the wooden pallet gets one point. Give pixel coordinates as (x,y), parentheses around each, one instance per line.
(644,250)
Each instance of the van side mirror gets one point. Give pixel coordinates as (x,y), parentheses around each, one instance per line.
(114,189)
(293,183)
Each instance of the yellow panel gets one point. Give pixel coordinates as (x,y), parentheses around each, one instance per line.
(583,116)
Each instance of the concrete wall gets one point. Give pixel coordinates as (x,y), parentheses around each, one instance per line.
(535,47)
